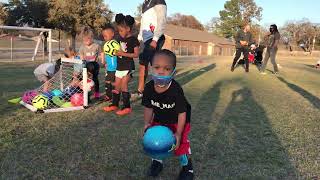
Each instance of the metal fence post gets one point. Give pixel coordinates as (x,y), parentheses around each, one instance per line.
(50,45)
(11,46)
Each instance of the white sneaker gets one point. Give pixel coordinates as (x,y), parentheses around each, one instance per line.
(263,73)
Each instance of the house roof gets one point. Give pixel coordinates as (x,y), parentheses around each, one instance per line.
(188,34)
(316,24)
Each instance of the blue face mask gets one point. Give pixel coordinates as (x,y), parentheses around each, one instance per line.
(162,81)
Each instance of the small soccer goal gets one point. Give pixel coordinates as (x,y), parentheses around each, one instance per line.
(67,90)
(25,44)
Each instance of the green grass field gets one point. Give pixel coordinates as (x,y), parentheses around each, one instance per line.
(244,126)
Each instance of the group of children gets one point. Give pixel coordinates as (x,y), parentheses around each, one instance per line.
(125,65)
(162,97)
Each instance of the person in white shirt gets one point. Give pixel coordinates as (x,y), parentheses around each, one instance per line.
(153,21)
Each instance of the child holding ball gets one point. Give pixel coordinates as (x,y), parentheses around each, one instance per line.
(129,50)
(166,105)
(110,63)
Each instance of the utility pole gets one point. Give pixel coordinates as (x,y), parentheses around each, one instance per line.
(314,38)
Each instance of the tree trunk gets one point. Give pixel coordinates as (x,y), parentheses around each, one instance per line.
(59,40)
(45,43)
(73,40)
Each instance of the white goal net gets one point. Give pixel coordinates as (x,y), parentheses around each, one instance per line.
(67,90)
(25,44)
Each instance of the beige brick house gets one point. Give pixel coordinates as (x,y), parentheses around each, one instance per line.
(191,42)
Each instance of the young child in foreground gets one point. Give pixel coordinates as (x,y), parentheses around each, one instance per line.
(166,105)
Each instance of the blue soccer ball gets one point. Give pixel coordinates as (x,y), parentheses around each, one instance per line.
(56,92)
(159,142)
(49,95)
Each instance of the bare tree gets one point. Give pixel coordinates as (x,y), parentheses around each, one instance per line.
(185,21)
(211,25)
(302,33)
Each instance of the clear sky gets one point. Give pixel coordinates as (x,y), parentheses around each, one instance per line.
(274,11)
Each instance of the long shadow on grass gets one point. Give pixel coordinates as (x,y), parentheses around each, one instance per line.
(201,118)
(303,67)
(240,145)
(189,76)
(310,66)
(308,96)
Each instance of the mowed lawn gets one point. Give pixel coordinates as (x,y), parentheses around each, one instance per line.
(244,126)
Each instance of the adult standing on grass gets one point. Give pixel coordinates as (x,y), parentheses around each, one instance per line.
(272,48)
(153,21)
(243,42)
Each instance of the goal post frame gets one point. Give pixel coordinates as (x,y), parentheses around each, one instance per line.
(84,77)
(85,90)
(34,29)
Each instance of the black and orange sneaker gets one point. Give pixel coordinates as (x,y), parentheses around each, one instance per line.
(110,108)
(124,111)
